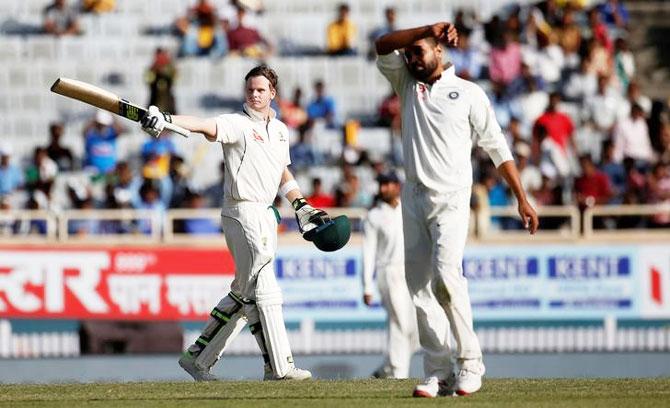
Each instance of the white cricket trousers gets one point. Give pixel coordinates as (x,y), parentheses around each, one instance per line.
(436,229)
(403,336)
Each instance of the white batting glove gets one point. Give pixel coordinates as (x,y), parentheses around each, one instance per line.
(307,216)
(154,121)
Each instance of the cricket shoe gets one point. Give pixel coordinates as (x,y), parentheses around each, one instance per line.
(294,373)
(469,377)
(187,362)
(433,387)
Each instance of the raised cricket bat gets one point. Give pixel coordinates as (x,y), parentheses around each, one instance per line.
(106,100)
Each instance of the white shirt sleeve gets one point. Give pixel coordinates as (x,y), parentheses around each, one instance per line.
(393,67)
(484,123)
(370,233)
(226,131)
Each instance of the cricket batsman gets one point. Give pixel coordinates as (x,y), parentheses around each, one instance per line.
(441,116)
(383,255)
(256,155)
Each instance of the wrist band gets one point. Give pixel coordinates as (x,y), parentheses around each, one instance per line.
(288,186)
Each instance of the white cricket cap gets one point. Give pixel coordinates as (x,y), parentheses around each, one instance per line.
(104,118)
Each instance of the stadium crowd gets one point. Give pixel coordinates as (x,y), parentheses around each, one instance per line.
(560,76)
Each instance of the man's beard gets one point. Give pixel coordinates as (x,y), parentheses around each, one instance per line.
(427,72)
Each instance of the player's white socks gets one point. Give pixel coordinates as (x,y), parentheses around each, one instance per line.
(269,304)
(225,323)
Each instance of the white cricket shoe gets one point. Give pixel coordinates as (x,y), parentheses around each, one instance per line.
(187,362)
(469,377)
(294,373)
(433,387)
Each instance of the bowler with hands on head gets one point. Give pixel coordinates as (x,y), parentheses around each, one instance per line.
(440,115)
(256,154)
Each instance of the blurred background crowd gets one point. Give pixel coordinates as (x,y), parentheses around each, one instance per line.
(560,75)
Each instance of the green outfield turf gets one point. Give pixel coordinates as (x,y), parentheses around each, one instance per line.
(636,393)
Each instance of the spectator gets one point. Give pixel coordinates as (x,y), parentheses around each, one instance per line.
(505,60)
(531,104)
(247,41)
(599,58)
(615,171)
(549,192)
(202,33)
(636,183)
(389,26)
(42,172)
(214,192)
(614,14)
(559,131)
(318,198)
(160,78)
(603,107)
(466,59)
(634,96)
(85,226)
(598,30)
(664,137)
(157,153)
(631,139)
(501,104)
(11,177)
(341,33)
(149,200)
(292,112)
(98,6)
(179,173)
(352,195)
(196,201)
(389,111)
(57,152)
(303,153)
(100,143)
(624,63)
(61,19)
(659,193)
(526,82)
(593,186)
(582,84)
(322,106)
(570,37)
(529,174)
(35,226)
(123,187)
(547,60)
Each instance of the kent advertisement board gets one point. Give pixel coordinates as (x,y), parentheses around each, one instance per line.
(505,282)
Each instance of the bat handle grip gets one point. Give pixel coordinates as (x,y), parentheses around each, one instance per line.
(177,129)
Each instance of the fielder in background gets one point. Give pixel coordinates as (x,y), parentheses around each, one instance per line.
(256,155)
(441,116)
(383,256)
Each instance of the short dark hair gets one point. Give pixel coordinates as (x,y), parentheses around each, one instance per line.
(264,71)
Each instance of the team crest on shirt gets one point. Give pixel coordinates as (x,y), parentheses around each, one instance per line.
(282,137)
(453,95)
(257,136)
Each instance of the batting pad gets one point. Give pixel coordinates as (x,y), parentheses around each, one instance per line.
(226,321)
(269,304)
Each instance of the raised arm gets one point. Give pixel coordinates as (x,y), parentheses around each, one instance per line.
(155,121)
(442,32)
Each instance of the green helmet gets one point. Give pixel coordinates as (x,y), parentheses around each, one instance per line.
(332,235)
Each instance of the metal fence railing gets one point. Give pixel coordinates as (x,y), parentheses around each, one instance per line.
(491,224)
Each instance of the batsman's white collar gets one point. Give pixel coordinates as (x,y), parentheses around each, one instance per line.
(256,115)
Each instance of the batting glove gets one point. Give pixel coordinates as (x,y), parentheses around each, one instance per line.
(154,121)
(307,216)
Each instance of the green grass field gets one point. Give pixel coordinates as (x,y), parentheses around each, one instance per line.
(635,393)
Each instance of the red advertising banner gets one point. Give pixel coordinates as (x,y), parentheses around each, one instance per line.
(131,283)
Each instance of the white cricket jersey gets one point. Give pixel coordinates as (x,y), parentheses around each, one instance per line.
(439,122)
(383,241)
(255,153)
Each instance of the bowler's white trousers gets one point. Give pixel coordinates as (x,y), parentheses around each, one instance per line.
(435,226)
(402,330)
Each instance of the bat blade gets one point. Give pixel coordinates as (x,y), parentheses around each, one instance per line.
(106,100)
